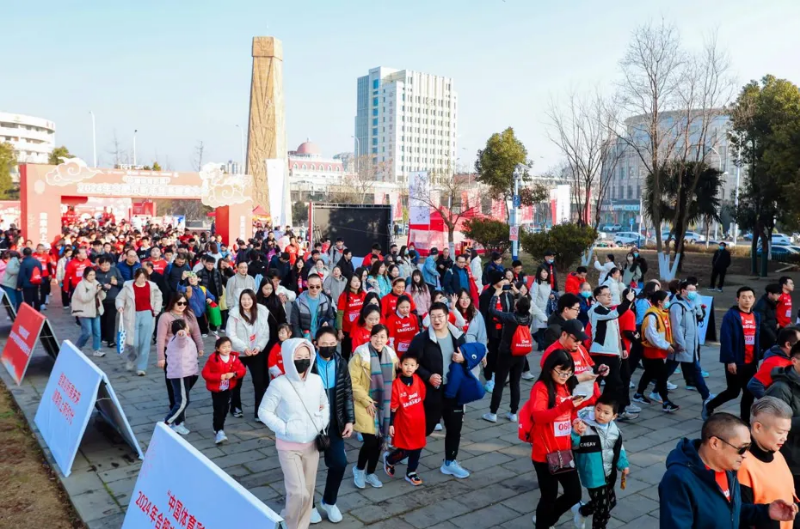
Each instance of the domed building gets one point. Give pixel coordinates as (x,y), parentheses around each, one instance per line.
(309,170)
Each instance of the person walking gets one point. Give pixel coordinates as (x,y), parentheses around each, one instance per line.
(311,310)
(348,307)
(720,262)
(510,361)
(296,409)
(237,284)
(429,271)
(494,327)
(606,348)
(474,326)
(553,409)
(657,338)
(779,355)
(766,307)
(211,279)
(786,388)
(248,329)
(334,284)
(29,279)
(129,265)
(684,318)
(541,293)
(476,268)
(420,293)
(437,348)
(739,351)
(182,373)
(568,308)
(138,303)
(631,273)
(549,264)
(703,472)
(335,374)
(222,372)
(87,306)
(372,370)
(605,268)
(177,308)
(457,277)
(764,475)
(111,279)
(784,309)
(9,281)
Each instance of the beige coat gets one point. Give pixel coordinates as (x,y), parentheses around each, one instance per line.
(361,377)
(126,300)
(83,300)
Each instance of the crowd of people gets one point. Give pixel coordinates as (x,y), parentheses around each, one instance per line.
(392,347)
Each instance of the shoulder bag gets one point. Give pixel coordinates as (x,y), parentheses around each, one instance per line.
(322,441)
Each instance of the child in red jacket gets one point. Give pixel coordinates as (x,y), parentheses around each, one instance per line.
(408,419)
(275,358)
(222,373)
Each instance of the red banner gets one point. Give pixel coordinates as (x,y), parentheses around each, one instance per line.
(21,341)
(498,209)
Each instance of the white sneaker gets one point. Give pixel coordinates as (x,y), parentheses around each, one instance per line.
(42,307)
(220,437)
(511,417)
(373,480)
(358,478)
(140,373)
(129,366)
(631,385)
(452,468)
(489,387)
(671,386)
(315,516)
(527,375)
(656,397)
(632,408)
(491,417)
(181,429)
(206,336)
(438,427)
(98,354)
(215,333)
(332,511)
(577,519)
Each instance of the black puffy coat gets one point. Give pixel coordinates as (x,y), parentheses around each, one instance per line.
(769,321)
(212,280)
(342,401)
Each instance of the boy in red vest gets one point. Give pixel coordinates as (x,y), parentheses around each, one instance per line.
(408,419)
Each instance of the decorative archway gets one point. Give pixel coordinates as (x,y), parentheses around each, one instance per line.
(43,188)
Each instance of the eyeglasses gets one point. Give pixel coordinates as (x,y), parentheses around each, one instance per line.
(438,317)
(181,303)
(562,374)
(578,308)
(739,449)
(310,287)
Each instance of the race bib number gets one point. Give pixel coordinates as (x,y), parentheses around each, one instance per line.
(224,384)
(353,317)
(749,340)
(562,428)
(402,347)
(789,313)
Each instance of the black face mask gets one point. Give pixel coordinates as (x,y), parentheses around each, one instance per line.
(327,351)
(302,365)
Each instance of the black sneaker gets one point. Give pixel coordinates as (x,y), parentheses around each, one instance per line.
(236,412)
(669,407)
(638,397)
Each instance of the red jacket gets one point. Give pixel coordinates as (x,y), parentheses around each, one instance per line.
(215,368)
(784,310)
(574,283)
(73,273)
(401,332)
(389,305)
(549,421)
(368,259)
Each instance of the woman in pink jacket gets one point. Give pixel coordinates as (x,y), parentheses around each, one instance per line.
(182,373)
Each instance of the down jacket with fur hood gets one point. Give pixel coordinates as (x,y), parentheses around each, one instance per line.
(295,408)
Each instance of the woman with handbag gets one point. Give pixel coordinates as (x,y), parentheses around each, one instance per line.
(138,302)
(248,329)
(373,367)
(553,409)
(296,408)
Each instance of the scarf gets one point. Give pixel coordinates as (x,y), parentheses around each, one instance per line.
(381,370)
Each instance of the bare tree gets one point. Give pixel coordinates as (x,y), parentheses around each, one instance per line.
(197,157)
(445,198)
(118,154)
(582,128)
(652,71)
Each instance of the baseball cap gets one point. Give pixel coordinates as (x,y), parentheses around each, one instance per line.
(575,328)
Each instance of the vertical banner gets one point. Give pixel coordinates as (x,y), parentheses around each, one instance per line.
(67,404)
(419,213)
(707,329)
(19,347)
(180,487)
(276,179)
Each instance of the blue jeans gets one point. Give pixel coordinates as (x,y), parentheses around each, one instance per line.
(143,327)
(693,367)
(90,327)
(336,461)
(15,296)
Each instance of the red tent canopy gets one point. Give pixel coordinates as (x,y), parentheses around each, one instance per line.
(260,211)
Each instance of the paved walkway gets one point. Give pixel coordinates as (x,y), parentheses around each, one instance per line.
(501,492)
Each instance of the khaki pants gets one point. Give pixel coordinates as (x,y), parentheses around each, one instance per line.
(299,478)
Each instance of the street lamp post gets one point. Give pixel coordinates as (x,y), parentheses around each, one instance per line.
(241,134)
(134,147)
(736,195)
(514,215)
(716,223)
(94,141)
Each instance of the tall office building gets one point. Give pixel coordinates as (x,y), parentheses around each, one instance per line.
(405,122)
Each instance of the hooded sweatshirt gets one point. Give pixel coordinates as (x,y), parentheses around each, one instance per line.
(181,357)
(786,387)
(295,409)
(690,497)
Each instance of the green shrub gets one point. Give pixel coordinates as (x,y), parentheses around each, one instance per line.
(569,241)
(489,233)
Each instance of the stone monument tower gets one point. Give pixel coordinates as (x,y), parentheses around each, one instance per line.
(266,138)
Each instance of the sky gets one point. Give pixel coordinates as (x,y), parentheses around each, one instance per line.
(179,71)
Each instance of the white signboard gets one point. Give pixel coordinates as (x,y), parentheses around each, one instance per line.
(67,404)
(276,180)
(179,487)
(702,328)
(513,233)
(419,185)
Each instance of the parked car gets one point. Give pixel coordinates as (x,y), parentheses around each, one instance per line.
(781,250)
(611,228)
(781,239)
(604,243)
(629,238)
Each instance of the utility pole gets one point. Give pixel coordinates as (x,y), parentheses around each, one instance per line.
(514,216)
(94,141)
(134,147)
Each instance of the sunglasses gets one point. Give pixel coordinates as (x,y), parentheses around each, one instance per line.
(181,303)
(739,449)
(314,288)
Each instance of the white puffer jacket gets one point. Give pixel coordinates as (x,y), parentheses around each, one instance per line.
(240,332)
(295,409)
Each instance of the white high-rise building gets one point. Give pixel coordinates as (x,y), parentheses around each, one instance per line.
(405,122)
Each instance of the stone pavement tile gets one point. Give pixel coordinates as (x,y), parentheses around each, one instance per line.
(478,499)
(82,481)
(433,514)
(260,465)
(237,471)
(632,486)
(226,461)
(633,507)
(377,511)
(445,525)
(485,478)
(95,504)
(393,523)
(486,517)
(486,460)
(650,492)
(108,522)
(651,474)
(523,503)
(122,490)
(121,473)
(643,522)
(264,493)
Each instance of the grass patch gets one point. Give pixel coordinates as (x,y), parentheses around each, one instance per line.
(32,495)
